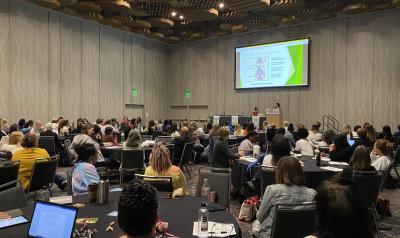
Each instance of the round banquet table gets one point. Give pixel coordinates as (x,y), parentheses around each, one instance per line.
(180,215)
(314,175)
(114,152)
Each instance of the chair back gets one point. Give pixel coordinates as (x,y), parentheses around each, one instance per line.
(67,144)
(396,158)
(186,154)
(4,154)
(368,182)
(262,138)
(161,183)
(132,159)
(12,198)
(267,178)
(146,137)
(294,220)
(43,174)
(165,139)
(9,175)
(219,181)
(69,182)
(47,143)
(171,151)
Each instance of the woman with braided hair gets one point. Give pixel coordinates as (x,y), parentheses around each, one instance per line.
(160,165)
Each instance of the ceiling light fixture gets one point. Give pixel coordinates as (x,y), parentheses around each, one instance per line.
(221,5)
(174,14)
(181,17)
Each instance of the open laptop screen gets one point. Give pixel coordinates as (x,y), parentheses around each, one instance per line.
(52,220)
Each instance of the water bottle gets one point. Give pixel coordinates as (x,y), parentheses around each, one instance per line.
(205,189)
(102,191)
(203,221)
(317,158)
(122,137)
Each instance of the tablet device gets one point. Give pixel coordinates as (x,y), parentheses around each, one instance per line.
(52,220)
(351,142)
(4,223)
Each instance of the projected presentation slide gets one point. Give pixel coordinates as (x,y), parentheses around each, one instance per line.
(281,64)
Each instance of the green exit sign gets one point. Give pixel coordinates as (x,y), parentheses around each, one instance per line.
(188,93)
(134,91)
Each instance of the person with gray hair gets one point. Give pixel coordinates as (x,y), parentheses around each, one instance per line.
(49,132)
(133,139)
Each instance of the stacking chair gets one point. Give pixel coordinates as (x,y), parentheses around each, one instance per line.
(219,181)
(161,183)
(9,175)
(185,158)
(294,220)
(67,143)
(369,182)
(147,137)
(6,155)
(171,151)
(12,198)
(132,160)
(47,143)
(267,178)
(165,139)
(43,174)
(396,162)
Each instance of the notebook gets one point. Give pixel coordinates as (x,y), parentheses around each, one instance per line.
(52,220)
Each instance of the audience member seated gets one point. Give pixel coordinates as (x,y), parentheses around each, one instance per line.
(341,212)
(363,139)
(380,154)
(354,132)
(244,129)
(371,133)
(271,132)
(250,127)
(14,142)
(84,171)
(328,137)
(288,136)
(361,159)
(396,135)
(174,130)
(211,141)
(289,189)
(38,127)
(97,134)
(27,127)
(207,128)
(160,165)
(387,133)
(238,130)
(49,132)
(3,125)
(137,210)
(133,139)
(21,124)
(86,137)
(279,148)
(222,156)
(247,145)
(108,138)
(303,145)
(346,129)
(13,127)
(78,127)
(180,142)
(64,127)
(27,157)
(313,134)
(150,129)
(340,149)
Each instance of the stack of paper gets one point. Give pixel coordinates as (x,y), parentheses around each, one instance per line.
(61,200)
(329,168)
(337,163)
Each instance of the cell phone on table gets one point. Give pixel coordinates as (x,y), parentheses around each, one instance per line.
(13,221)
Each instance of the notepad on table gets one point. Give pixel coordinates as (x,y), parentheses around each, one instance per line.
(329,168)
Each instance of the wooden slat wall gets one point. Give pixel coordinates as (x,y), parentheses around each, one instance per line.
(354,72)
(53,65)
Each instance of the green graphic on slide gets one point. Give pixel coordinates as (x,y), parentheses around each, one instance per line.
(296,55)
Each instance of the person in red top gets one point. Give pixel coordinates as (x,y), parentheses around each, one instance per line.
(256,111)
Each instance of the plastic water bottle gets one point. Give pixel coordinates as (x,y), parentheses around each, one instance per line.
(122,137)
(205,189)
(203,221)
(317,158)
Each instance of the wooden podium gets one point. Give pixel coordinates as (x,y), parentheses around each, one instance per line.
(274,116)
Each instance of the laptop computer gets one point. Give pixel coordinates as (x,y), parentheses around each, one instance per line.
(52,220)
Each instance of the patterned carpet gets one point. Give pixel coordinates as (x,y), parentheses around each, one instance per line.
(392,223)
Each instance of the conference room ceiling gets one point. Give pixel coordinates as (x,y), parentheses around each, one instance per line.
(175,21)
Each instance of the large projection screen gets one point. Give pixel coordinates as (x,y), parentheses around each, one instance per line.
(278,64)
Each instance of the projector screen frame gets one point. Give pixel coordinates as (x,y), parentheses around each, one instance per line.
(276,87)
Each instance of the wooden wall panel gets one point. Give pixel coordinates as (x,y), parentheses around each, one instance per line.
(111,73)
(29,83)
(71,49)
(90,84)
(54,88)
(5,59)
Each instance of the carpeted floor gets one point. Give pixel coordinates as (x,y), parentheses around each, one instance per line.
(392,223)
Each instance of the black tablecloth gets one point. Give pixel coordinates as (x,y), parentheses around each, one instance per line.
(314,175)
(180,215)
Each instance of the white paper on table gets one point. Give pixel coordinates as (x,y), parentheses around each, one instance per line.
(116,190)
(61,200)
(113,214)
(337,163)
(330,168)
(147,143)
(218,229)
(256,121)
(235,120)
(325,159)
(216,120)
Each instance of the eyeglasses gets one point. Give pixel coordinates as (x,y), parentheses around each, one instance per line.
(221,228)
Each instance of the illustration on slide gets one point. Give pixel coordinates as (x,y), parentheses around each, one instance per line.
(260,73)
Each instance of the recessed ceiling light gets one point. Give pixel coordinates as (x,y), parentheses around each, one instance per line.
(221,5)
(181,17)
(173,14)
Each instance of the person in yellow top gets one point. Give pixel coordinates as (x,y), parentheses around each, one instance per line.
(27,157)
(160,165)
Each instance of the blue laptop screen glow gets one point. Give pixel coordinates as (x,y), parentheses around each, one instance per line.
(351,142)
(52,221)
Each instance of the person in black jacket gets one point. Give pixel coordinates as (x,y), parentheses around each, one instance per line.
(49,132)
(222,155)
(341,150)
(180,143)
(363,139)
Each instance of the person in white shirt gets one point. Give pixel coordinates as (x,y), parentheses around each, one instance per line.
(313,134)
(14,142)
(280,147)
(379,155)
(246,146)
(303,145)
